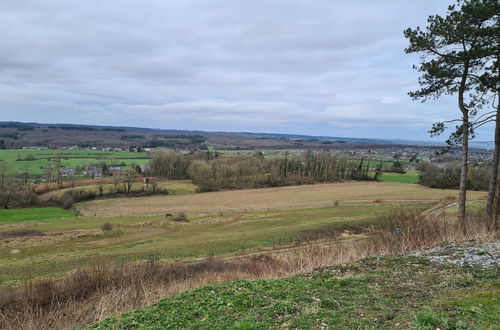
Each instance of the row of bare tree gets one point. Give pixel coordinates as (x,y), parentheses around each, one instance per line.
(212,171)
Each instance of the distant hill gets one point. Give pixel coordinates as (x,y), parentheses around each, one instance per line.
(20,134)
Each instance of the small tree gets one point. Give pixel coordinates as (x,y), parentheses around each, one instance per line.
(129,177)
(6,186)
(104,169)
(58,166)
(100,186)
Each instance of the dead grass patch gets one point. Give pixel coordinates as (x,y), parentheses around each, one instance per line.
(226,219)
(328,232)
(37,239)
(154,223)
(449,199)
(20,225)
(20,233)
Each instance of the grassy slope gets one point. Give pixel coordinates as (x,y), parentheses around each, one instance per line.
(357,295)
(70,241)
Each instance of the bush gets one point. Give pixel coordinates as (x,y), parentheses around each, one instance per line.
(397,167)
(67,201)
(448,176)
(182,217)
(105,227)
(17,198)
(72,196)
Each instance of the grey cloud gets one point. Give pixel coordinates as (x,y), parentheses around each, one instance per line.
(314,67)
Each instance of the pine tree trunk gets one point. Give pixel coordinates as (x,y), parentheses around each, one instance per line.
(490,209)
(496,204)
(463,173)
(465,146)
(496,201)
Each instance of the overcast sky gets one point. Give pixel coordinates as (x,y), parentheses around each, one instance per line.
(318,67)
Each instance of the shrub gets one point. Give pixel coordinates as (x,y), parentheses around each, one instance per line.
(72,196)
(182,217)
(67,201)
(17,197)
(448,176)
(105,227)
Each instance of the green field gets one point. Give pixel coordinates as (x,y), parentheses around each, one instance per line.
(69,158)
(361,295)
(408,177)
(16,216)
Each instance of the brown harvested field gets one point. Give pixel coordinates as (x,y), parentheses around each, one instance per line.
(307,196)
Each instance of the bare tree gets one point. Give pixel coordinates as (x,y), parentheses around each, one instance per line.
(129,177)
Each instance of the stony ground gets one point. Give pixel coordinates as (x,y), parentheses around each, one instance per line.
(471,253)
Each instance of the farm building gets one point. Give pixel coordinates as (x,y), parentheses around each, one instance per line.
(93,172)
(67,172)
(116,171)
(145,169)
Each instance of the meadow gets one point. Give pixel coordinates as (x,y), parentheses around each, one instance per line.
(408,177)
(15,159)
(16,216)
(219,223)
(68,242)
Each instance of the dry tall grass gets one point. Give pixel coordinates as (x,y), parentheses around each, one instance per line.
(104,289)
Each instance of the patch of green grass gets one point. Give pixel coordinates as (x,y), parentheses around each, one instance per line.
(471,304)
(69,158)
(361,295)
(12,216)
(408,177)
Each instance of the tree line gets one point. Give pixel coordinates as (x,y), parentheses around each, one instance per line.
(211,171)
